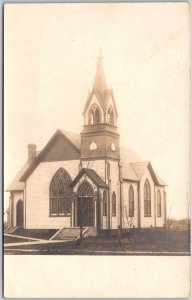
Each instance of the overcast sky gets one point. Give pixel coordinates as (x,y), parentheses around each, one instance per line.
(50,61)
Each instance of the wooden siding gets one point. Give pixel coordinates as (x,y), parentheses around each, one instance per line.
(60,150)
(37,195)
(103,142)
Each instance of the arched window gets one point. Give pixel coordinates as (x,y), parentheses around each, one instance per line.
(85,189)
(131,202)
(97,117)
(158,204)
(60,194)
(114,204)
(94,115)
(104,203)
(147,199)
(110,116)
(91,118)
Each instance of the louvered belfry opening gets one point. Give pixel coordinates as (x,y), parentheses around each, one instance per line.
(85,205)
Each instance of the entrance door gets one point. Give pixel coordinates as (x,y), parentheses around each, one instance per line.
(19,213)
(85,205)
(86,211)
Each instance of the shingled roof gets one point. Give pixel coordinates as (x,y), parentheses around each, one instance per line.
(73,137)
(15,184)
(133,167)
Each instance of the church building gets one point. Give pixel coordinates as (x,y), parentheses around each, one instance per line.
(87,179)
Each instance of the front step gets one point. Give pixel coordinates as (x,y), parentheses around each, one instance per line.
(71,233)
(92,231)
(10,230)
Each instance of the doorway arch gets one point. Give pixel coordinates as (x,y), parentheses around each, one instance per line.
(85,205)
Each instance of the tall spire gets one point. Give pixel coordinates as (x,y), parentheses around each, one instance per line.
(100,83)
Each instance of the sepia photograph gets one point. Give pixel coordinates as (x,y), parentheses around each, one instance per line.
(96,131)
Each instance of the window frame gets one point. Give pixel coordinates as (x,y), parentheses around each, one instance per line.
(114,205)
(131,202)
(104,204)
(147,199)
(110,116)
(61,176)
(94,116)
(159,209)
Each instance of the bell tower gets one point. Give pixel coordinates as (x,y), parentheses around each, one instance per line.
(100,137)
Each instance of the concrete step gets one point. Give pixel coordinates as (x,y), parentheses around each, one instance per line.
(92,231)
(68,233)
(10,230)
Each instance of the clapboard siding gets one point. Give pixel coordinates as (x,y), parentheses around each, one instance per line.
(37,195)
(60,150)
(103,142)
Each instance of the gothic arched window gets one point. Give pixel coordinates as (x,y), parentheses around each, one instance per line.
(91,118)
(147,199)
(113,204)
(94,115)
(110,116)
(60,194)
(97,117)
(104,203)
(85,189)
(158,204)
(131,202)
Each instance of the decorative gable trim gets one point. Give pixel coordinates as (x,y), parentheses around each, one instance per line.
(92,175)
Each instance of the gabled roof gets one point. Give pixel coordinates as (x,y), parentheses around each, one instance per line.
(128,173)
(103,100)
(160,180)
(95,178)
(15,184)
(128,156)
(133,167)
(73,138)
(139,168)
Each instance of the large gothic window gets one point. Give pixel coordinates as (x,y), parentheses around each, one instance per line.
(94,115)
(104,203)
(158,204)
(131,202)
(147,199)
(114,204)
(60,194)
(110,116)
